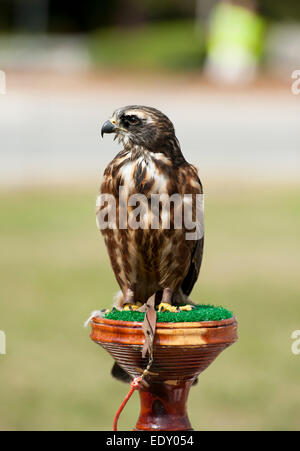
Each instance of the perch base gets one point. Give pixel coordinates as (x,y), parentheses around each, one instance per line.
(181,352)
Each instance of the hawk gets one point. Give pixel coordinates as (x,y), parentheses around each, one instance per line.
(149,261)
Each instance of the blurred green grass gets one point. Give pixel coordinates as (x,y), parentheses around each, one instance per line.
(149,47)
(55,270)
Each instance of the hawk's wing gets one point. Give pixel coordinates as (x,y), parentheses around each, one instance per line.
(196,256)
(194,269)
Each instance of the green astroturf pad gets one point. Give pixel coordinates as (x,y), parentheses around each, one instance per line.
(200,313)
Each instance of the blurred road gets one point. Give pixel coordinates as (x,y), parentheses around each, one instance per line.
(52,134)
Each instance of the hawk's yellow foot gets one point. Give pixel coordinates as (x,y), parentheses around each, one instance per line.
(187,308)
(164,306)
(132,306)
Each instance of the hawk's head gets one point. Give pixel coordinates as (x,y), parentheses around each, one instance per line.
(142,126)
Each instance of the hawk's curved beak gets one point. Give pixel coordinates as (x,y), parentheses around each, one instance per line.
(108,127)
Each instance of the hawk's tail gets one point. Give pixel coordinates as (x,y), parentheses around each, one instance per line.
(120,374)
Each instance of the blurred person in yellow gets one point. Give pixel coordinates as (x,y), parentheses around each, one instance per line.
(235,41)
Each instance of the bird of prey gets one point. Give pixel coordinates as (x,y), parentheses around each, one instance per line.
(150,261)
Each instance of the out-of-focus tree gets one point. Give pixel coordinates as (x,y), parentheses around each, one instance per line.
(60,16)
(135,12)
(31,15)
(278,10)
(169,9)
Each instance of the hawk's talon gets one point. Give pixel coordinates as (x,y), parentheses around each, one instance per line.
(165,306)
(132,307)
(186,308)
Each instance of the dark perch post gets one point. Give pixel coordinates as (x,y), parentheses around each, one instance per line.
(163,407)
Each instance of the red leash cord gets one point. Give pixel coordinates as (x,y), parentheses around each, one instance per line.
(149,326)
(135,384)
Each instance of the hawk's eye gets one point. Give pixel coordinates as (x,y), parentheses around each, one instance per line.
(132,119)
